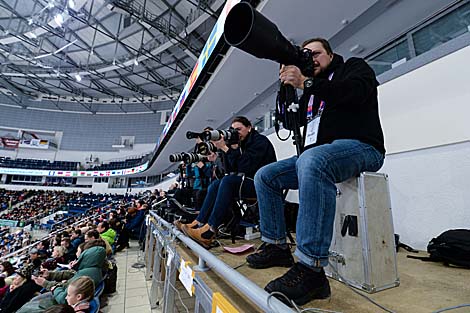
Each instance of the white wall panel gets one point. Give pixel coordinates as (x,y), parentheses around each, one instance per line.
(429,106)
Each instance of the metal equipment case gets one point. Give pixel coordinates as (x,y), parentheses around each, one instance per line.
(362,251)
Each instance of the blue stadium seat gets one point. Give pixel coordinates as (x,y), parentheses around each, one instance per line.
(95,305)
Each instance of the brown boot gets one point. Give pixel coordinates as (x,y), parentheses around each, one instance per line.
(204,235)
(180,225)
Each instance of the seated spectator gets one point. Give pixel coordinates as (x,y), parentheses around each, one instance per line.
(94,234)
(90,263)
(106,232)
(69,250)
(21,290)
(76,238)
(3,287)
(57,258)
(34,259)
(79,294)
(43,247)
(7,271)
(134,225)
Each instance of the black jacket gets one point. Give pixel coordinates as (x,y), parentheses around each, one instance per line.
(14,300)
(254,152)
(351,107)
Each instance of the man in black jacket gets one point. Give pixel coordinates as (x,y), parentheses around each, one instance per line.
(343,137)
(241,161)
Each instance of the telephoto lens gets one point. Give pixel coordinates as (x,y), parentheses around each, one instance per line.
(230,134)
(211,135)
(192,135)
(194,157)
(177,157)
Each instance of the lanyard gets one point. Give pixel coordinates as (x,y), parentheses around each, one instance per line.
(322,103)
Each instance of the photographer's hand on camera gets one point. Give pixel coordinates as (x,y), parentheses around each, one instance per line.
(220,144)
(291,75)
(212,157)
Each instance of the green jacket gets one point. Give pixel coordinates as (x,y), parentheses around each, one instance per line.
(109,236)
(90,263)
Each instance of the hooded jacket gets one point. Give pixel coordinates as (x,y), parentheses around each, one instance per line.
(351,108)
(90,263)
(13,300)
(254,152)
(109,235)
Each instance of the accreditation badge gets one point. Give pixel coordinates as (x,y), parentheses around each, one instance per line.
(312,131)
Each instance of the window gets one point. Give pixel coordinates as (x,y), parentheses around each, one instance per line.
(430,34)
(390,57)
(448,27)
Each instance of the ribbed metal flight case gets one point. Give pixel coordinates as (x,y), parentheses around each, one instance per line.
(363,246)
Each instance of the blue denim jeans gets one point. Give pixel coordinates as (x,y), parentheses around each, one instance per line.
(220,196)
(314,174)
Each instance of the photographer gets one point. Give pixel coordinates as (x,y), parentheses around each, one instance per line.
(343,137)
(241,159)
(202,172)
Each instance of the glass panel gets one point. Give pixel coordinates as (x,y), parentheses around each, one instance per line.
(384,61)
(448,27)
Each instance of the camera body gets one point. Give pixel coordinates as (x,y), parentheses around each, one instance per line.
(205,148)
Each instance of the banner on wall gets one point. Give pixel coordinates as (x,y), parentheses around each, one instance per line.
(9,223)
(32,172)
(9,143)
(34,143)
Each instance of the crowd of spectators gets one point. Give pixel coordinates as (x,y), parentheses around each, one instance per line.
(10,242)
(9,198)
(41,205)
(74,259)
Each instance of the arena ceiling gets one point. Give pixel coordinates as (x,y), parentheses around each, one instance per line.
(100,56)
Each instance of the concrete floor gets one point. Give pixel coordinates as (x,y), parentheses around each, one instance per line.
(132,291)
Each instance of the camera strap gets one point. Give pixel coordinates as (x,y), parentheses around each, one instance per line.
(313,124)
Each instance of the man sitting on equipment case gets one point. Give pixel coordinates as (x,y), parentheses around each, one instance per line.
(343,137)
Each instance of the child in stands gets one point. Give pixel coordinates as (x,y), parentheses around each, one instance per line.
(79,294)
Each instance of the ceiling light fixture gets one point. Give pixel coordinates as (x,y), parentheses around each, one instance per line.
(78,78)
(59,19)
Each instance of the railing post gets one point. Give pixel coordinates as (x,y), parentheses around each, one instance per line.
(170,281)
(149,253)
(156,292)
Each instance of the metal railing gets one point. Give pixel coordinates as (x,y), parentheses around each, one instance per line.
(161,236)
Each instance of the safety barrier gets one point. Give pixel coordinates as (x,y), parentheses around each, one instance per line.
(163,262)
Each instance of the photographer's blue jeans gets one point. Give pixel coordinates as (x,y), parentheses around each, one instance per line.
(220,196)
(314,174)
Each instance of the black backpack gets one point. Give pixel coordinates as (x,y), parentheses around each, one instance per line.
(452,247)
(110,281)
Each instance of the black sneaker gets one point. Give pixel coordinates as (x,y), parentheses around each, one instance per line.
(301,284)
(269,255)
